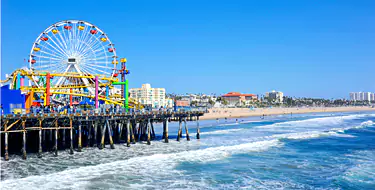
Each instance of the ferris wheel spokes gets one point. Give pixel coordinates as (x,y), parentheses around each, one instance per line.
(73,47)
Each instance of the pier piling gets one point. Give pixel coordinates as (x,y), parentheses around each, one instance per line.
(95,133)
(186,130)
(132,133)
(136,131)
(90,125)
(6,155)
(71,136)
(198,130)
(119,131)
(148,132)
(128,133)
(79,138)
(110,135)
(152,131)
(166,130)
(24,140)
(179,133)
(103,135)
(56,136)
(63,139)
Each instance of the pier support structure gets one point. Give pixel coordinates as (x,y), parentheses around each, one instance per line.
(84,129)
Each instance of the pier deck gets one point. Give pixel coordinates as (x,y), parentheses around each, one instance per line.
(37,133)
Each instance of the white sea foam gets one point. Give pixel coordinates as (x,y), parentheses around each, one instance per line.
(367,123)
(146,168)
(314,134)
(315,122)
(318,125)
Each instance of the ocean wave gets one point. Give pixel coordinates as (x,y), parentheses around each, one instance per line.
(284,126)
(280,127)
(147,168)
(367,123)
(315,122)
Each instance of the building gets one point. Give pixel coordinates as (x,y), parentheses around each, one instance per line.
(276,96)
(182,103)
(238,99)
(361,96)
(153,97)
(354,96)
(366,96)
(372,97)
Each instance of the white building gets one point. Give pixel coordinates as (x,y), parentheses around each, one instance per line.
(366,96)
(352,96)
(275,95)
(154,97)
(361,96)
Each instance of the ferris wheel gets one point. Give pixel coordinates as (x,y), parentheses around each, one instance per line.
(73,46)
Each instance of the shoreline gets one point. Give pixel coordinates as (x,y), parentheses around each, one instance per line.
(220,113)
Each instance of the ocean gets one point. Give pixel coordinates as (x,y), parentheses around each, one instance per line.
(306,151)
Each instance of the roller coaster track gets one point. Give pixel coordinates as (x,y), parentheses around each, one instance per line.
(114,99)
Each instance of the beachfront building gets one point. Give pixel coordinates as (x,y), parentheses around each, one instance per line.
(182,103)
(276,96)
(152,97)
(354,96)
(361,96)
(198,100)
(238,99)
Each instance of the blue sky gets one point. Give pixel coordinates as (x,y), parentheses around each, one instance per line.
(303,48)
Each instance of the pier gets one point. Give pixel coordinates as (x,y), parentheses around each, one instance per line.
(37,133)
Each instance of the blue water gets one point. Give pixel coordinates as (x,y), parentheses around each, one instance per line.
(310,151)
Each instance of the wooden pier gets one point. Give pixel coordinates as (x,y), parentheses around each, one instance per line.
(37,133)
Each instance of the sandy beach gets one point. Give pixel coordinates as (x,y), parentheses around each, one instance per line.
(246,112)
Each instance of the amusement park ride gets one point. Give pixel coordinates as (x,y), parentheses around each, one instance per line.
(73,59)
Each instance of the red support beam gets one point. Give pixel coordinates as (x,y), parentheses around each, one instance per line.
(48,86)
(71,98)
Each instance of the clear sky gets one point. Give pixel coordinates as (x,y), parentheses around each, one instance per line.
(303,48)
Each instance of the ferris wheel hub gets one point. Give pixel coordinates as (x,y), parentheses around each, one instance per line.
(72,60)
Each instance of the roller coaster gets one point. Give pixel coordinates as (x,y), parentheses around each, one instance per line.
(73,60)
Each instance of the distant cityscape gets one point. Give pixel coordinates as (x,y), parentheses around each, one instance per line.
(159,98)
